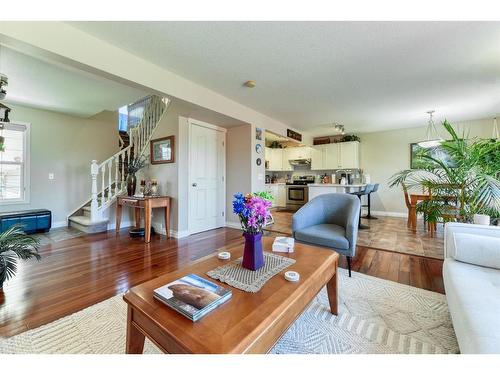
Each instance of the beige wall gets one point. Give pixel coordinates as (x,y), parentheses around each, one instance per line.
(239,167)
(385,153)
(63,145)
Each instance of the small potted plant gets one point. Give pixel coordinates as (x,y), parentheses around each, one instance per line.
(253,210)
(14,245)
(134,166)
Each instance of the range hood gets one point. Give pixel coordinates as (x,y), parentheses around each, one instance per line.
(300,161)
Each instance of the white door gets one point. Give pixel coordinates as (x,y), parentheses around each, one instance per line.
(206,177)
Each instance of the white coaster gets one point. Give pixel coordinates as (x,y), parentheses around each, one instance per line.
(292,276)
(224,255)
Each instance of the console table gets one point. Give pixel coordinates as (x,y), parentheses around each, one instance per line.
(147,204)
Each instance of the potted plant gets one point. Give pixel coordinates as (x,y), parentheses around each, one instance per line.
(134,166)
(253,210)
(469,175)
(14,245)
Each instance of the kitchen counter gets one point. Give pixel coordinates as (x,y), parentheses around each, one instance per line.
(338,185)
(275,183)
(319,189)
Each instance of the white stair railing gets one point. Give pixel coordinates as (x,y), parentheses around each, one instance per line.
(112,181)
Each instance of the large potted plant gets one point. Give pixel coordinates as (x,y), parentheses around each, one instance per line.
(253,211)
(470,175)
(14,245)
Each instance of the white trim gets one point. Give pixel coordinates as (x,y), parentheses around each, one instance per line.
(386,213)
(59,224)
(206,125)
(233,224)
(173,233)
(25,182)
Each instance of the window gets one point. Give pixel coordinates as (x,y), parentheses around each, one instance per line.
(14,163)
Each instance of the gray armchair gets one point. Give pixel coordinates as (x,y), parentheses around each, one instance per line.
(329,220)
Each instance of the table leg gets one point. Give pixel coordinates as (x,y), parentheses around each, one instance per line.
(413,218)
(167,219)
(147,221)
(332,290)
(135,339)
(118,216)
(137,217)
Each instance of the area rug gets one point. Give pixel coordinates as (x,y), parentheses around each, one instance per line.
(375,316)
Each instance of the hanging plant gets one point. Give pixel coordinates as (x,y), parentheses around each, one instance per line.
(2,145)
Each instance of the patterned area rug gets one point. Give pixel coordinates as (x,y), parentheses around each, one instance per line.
(375,316)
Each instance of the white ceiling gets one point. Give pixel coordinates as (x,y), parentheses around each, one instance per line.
(366,75)
(41,84)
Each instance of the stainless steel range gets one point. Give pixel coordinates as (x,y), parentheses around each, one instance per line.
(297,192)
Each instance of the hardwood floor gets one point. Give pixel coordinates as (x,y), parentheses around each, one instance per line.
(83,271)
(386,233)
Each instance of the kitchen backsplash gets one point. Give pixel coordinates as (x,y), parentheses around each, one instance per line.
(306,171)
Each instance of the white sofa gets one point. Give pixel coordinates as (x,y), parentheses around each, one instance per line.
(471,273)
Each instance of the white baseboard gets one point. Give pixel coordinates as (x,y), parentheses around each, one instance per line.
(123,224)
(233,224)
(173,233)
(59,224)
(386,213)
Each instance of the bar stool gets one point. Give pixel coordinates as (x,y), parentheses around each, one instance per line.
(369,216)
(367,190)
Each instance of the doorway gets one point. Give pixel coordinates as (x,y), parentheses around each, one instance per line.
(207,169)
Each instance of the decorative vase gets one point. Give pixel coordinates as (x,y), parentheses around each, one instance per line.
(253,257)
(131,184)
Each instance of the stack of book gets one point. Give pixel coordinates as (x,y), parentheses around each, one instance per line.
(283,245)
(192,296)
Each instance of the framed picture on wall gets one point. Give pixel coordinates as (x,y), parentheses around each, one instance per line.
(163,150)
(438,153)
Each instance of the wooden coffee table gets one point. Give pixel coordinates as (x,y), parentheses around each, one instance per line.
(247,323)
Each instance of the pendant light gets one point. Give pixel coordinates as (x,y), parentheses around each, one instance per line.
(495,129)
(432,137)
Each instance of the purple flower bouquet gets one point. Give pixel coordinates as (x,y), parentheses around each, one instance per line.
(253,210)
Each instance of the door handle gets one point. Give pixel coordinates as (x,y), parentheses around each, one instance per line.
(194,184)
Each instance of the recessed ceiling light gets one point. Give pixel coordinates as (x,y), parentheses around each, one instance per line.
(249,84)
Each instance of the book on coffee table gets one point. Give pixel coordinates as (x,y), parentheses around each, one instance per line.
(192,296)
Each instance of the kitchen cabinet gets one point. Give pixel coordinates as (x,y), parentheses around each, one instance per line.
(274,156)
(343,155)
(278,191)
(332,156)
(349,155)
(293,153)
(318,157)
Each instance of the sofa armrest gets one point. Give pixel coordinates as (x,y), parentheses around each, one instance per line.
(352,224)
(451,228)
(478,250)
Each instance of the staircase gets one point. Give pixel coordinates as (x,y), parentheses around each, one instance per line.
(108,178)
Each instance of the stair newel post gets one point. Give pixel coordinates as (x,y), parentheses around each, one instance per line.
(94,171)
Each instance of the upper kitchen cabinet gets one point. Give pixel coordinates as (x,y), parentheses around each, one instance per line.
(349,155)
(274,157)
(343,155)
(294,153)
(332,158)
(318,157)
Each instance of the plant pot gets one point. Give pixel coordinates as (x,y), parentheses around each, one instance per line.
(131,184)
(253,257)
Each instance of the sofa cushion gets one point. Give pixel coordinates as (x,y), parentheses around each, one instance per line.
(476,249)
(473,295)
(328,235)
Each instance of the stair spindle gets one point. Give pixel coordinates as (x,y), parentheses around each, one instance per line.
(116,175)
(103,172)
(109,179)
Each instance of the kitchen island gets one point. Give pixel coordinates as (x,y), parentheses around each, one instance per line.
(319,189)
